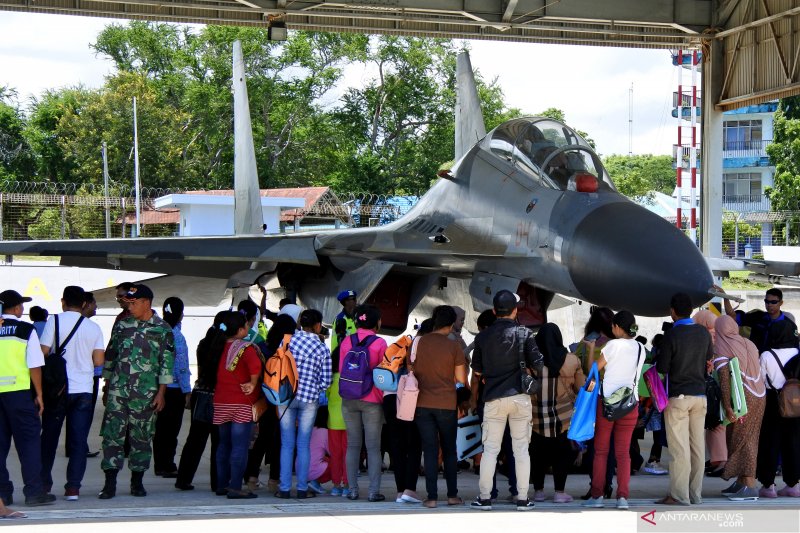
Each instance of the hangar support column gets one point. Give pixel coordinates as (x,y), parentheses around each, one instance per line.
(711,174)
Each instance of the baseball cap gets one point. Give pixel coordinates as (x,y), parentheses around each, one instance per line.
(12,298)
(344,295)
(505,301)
(139,291)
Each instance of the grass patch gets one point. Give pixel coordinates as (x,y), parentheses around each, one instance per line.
(739,280)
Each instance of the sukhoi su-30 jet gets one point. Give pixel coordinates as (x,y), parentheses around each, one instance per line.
(527,207)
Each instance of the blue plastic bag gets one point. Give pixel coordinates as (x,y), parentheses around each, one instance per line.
(581,427)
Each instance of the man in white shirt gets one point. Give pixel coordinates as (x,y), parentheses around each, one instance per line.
(82,352)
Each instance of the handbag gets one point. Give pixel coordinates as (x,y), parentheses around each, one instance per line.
(656,387)
(203,406)
(623,400)
(581,426)
(408,389)
(260,407)
(530,384)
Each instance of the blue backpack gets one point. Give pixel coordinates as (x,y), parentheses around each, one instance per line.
(355,380)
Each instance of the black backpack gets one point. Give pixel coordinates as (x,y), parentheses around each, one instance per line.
(713,402)
(54,372)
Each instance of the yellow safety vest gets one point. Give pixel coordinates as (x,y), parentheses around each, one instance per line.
(14,372)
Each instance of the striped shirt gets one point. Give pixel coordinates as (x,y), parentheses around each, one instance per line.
(313,360)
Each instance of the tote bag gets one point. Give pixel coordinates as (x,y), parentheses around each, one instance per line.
(408,389)
(656,387)
(581,427)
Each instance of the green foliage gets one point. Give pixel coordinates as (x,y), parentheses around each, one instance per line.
(388,135)
(16,157)
(638,176)
(746,232)
(784,154)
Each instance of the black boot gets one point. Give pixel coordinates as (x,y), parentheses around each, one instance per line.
(137,488)
(110,487)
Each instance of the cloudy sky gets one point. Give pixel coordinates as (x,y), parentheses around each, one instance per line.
(590,84)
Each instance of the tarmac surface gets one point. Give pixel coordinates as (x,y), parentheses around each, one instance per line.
(181,510)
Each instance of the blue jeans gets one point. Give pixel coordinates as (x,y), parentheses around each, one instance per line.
(297,421)
(234,441)
(78,410)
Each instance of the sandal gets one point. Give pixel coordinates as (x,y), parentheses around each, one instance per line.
(455,501)
(14,514)
(430,504)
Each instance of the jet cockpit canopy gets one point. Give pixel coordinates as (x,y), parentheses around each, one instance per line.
(551,153)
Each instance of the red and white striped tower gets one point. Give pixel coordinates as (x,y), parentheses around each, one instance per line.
(693,152)
(687,146)
(679,150)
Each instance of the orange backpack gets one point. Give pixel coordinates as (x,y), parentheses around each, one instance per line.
(386,375)
(280,375)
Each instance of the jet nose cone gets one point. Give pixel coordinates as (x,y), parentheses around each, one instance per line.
(625,257)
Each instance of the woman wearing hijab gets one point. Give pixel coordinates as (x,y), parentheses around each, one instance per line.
(779,437)
(715,438)
(622,359)
(742,433)
(561,378)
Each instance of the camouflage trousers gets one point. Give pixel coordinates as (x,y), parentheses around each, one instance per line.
(134,418)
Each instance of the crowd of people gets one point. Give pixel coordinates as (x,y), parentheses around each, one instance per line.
(725,381)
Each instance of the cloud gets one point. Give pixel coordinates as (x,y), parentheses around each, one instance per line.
(591,85)
(58,56)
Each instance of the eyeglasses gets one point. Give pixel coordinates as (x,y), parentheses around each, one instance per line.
(772,302)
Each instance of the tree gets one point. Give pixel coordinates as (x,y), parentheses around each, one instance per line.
(638,176)
(784,154)
(43,132)
(191,72)
(16,157)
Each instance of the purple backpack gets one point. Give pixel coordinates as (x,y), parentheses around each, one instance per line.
(355,380)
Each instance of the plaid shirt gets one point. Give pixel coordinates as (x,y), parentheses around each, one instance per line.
(313,360)
(553,407)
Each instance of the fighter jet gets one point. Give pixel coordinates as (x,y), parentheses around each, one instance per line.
(527,207)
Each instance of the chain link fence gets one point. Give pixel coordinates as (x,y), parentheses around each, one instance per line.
(43,210)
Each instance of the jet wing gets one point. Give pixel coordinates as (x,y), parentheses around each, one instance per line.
(216,257)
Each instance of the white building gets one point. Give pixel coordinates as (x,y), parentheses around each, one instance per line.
(211,212)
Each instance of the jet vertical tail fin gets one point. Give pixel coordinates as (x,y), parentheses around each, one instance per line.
(248,215)
(469,118)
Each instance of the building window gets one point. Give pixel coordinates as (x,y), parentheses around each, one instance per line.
(741,134)
(742,187)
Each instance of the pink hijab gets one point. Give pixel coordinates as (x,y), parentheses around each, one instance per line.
(730,344)
(706,319)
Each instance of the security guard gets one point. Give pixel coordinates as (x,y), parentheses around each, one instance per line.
(20,366)
(345,322)
(138,368)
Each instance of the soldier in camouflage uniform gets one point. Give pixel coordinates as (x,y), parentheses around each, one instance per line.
(138,367)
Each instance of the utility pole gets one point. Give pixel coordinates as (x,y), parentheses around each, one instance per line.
(630,120)
(105,189)
(136,170)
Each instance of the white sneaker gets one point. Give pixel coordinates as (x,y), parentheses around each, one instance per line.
(594,503)
(622,503)
(655,469)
